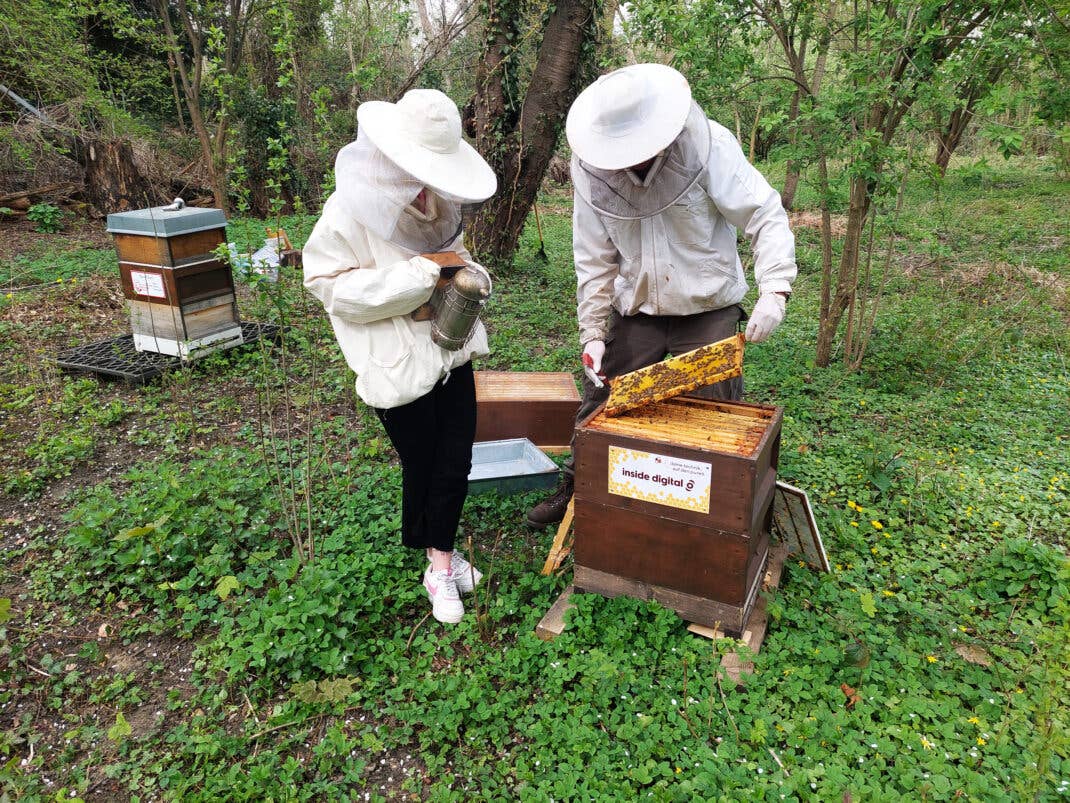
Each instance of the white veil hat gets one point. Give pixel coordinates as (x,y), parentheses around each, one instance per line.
(628,116)
(421,134)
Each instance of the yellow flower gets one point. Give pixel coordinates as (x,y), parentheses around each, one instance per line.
(854,523)
(931,659)
(873,549)
(974,720)
(981,741)
(9,296)
(877,525)
(861,402)
(927,744)
(852,504)
(888,593)
(59,280)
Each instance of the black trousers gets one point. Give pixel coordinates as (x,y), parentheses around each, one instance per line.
(636,341)
(433,437)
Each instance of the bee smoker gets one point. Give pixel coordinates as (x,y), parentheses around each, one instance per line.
(457,308)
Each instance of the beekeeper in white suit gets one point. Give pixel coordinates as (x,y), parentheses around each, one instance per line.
(660,192)
(399,192)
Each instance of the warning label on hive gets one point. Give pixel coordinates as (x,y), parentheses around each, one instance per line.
(660,479)
(148,284)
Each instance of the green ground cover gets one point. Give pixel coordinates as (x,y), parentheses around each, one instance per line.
(157,526)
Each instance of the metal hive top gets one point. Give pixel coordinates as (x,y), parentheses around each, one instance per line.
(166,221)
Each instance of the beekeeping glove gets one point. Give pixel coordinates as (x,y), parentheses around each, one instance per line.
(766,316)
(593,353)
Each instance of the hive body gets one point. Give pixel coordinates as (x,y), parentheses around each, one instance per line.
(673,501)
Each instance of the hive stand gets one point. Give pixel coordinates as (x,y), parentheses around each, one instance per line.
(118,358)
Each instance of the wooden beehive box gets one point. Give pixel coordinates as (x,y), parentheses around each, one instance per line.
(538,406)
(179,292)
(673,502)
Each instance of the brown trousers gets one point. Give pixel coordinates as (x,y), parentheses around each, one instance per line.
(636,341)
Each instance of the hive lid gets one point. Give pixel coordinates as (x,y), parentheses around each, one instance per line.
(160,221)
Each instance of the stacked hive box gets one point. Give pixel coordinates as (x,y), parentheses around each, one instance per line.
(673,502)
(538,406)
(180,294)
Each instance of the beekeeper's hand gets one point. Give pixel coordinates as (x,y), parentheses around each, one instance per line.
(766,316)
(593,353)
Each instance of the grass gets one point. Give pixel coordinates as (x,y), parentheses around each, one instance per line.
(162,643)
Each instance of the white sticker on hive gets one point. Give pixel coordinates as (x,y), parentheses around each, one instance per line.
(148,284)
(660,479)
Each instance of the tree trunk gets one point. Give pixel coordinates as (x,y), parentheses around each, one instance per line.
(519,139)
(949,138)
(847,277)
(112,180)
(791,170)
(754,132)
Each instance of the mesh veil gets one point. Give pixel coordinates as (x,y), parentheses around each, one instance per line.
(376,192)
(613,193)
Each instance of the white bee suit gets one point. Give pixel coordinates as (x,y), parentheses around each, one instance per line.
(676,255)
(362,261)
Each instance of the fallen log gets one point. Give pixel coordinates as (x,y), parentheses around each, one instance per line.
(47,189)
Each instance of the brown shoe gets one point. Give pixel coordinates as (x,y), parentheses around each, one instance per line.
(552,509)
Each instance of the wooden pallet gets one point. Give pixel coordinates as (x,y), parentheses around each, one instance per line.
(735,667)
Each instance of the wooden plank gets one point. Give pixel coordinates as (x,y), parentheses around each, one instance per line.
(194,246)
(202,280)
(156,320)
(552,623)
(558,550)
(555,450)
(692,608)
(204,322)
(182,249)
(525,386)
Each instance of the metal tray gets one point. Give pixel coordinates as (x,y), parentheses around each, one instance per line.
(510,466)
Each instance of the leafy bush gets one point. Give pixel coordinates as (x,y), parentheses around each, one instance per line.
(48,217)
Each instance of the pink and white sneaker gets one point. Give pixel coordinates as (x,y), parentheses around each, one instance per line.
(441,586)
(466,575)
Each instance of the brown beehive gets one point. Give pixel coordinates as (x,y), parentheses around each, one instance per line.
(538,406)
(672,503)
(179,292)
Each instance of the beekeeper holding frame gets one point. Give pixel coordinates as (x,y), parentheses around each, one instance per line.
(659,194)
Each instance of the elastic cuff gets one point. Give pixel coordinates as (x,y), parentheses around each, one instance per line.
(775,286)
(587,335)
(426,265)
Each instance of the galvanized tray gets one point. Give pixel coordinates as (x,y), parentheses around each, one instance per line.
(510,466)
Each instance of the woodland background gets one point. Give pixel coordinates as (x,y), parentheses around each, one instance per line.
(202,593)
